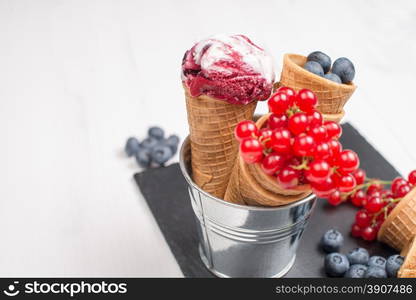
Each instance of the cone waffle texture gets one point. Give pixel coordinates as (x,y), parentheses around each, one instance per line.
(251,186)
(400,226)
(408,269)
(334,117)
(213,146)
(331,96)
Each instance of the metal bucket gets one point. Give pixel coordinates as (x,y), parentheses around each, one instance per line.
(245,241)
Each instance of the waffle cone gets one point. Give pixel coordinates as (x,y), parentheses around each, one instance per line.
(213,146)
(408,269)
(400,226)
(251,186)
(332,96)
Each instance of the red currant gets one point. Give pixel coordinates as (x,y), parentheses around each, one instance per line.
(277,121)
(251,150)
(245,129)
(265,136)
(412,177)
(288,91)
(279,103)
(281,140)
(374,188)
(272,163)
(318,133)
(359,176)
(303,145)
(314,118)
(358,198)
(288,177)
(322,151)
(319,170)
(374,204)
(335,198)
(324,188)
(362,218)
(396,183)
(306,100)
(348,161)
(298,123)
(335,148)
(369,234)
(402,191)
(334,130)
(356,230)
(347,183)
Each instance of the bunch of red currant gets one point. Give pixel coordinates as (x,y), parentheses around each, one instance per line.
(298,147)
(377,202)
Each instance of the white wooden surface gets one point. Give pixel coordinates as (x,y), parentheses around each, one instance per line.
(78,77)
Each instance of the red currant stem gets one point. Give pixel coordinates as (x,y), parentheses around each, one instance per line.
(384,210)
(264,141)
(267,151)
(302,166)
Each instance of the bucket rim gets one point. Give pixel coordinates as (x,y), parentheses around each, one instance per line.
(193,185)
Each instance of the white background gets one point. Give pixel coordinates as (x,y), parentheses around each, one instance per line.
(78,77)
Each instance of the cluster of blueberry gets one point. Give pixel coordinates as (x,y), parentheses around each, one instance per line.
(357,263)
(153,151)
(319,63)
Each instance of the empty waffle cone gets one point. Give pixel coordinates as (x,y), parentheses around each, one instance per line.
(213,146)
(251,186)
(332,96)
(408,269)
(400,226)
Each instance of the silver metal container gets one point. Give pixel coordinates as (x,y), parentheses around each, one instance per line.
(245,241)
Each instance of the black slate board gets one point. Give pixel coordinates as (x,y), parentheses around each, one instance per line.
(165,191)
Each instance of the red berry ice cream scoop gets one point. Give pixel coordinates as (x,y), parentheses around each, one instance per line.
(230,68)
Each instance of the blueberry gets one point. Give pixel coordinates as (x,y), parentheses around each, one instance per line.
(375,272)
(161,154)
(314,67)
(322,59)
(332,241)
(377,261)
(132,146)
(173,142)
(333,77)
(393,264)
(149,143)
(336,264)
(156,133)
(344,68)
(358,256)
(143,158)
(356,271)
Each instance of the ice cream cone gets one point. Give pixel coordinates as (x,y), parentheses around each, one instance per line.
(408,269)
(332,96)
(251,186)
(213,146)
(400,226)
(334,117)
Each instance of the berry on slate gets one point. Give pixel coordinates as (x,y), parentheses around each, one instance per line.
(314,67)
(356,271)
(333,77)
(321,58)
(336,264)
(156,133)
(356,230)
(332,241)
(132,146)
(375,272)
(160,154)
(358,256)
(149,143)
(377,261)
(393,264)
(344,68)
(143,157)
(369,233)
